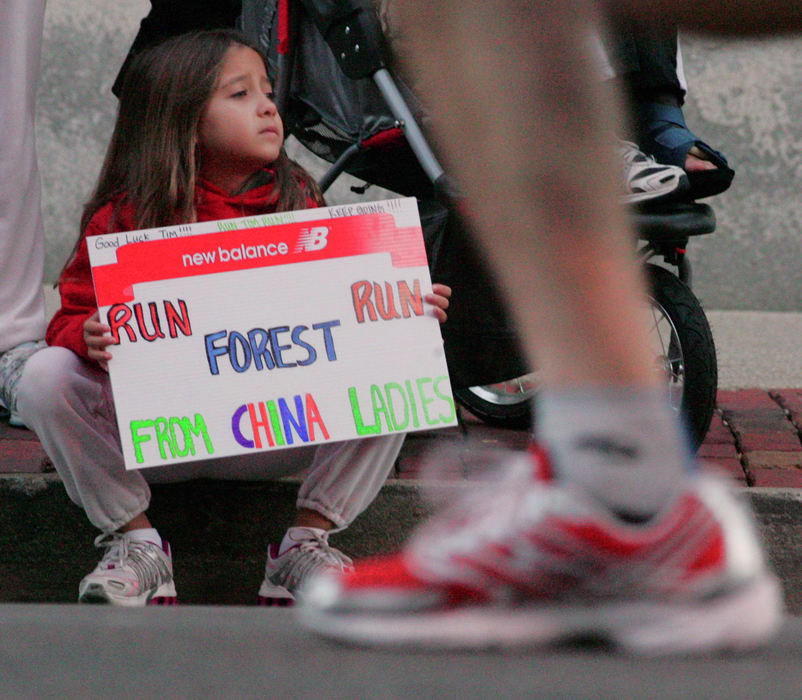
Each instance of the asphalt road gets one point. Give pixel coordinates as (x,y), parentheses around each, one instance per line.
(238,652)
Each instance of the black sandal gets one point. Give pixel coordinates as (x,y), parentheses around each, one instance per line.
(663,134)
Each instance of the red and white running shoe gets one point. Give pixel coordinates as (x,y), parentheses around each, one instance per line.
(541,562)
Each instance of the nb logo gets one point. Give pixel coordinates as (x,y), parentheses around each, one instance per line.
(607,446)
(311,239)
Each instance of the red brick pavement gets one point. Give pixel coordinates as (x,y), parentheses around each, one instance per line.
(719,449)
(766,436)
(754,436)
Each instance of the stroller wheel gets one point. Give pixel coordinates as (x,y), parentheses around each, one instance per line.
(684,350)
(506,404)
(685,357)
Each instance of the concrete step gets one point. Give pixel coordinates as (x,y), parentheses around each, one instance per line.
(219,531)
(73,651)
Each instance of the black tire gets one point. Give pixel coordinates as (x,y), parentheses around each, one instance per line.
(688,356)
(500,404)
(685,353)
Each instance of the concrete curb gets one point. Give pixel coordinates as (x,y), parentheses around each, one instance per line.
(219,531)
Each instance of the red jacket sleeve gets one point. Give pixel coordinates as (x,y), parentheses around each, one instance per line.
(77,291)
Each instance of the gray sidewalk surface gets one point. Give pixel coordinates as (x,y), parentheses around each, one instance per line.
(77,652)
(757,349)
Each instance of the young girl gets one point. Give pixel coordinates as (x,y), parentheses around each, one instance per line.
(197,138)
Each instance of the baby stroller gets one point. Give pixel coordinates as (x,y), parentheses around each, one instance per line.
(339,97)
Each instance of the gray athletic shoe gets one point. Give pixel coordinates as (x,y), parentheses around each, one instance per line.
(285,574)
(646,180)
(131,574)
(12,362)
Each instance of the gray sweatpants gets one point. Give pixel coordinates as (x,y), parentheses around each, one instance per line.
(68,403)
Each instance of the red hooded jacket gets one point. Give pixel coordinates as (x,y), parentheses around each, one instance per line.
(78,301)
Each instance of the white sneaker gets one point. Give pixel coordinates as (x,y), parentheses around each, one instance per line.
(287,573)
(12,363)
(540,562)
(131,574)
(646,180)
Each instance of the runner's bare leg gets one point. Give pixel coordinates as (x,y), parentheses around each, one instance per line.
(526,129)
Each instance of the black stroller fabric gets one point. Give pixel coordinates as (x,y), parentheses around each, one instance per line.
(328,112)
(169,18)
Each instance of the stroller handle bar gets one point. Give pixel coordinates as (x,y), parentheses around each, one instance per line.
(415,138)
(355,38)
(352,31)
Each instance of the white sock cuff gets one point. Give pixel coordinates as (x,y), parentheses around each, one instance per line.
(145,534)
(617,409)
(626,446)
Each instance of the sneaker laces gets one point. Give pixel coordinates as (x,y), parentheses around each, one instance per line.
(142,558)
(630,153)
(310,556)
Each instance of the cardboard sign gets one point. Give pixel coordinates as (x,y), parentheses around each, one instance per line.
(271,332)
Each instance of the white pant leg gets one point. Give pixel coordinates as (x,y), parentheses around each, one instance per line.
(68,403)
(346,476)
(343,477)
(22,238)
(683,83)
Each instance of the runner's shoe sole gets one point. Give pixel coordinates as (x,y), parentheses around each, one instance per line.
(733,622)
(541,562)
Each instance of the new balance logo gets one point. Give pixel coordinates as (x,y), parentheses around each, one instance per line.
(312,239)
(607,446)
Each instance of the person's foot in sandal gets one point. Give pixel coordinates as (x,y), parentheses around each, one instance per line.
(663,133)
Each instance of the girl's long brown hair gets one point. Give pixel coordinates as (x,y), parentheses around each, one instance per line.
(153,160)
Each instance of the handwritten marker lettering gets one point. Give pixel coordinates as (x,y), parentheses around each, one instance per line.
(271,348)
(374,300)
(394,408)
(152,325)
(173,437)
(278,422)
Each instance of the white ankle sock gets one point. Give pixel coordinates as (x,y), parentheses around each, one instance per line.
(625,446)
(294,535)
(145,534)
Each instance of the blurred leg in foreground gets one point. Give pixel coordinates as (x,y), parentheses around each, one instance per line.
(606,528)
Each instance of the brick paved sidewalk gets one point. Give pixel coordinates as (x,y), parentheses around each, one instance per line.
(755,435)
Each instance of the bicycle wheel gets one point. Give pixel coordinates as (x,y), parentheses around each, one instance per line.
(684,349)
(507,404)
(685,355)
